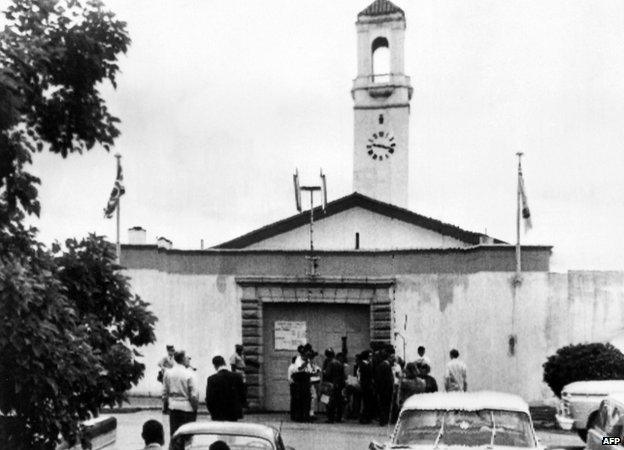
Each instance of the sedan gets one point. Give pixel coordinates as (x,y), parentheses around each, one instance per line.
(463,419)
(236,435)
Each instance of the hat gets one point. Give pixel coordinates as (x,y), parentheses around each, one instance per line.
(170,347)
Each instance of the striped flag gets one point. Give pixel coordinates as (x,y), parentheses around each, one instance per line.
(116,193)
(526,213)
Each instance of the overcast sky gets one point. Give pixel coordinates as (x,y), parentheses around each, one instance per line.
(221,100)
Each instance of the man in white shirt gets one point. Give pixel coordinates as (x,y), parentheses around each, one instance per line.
(165,363)
(422,359)
(180,393)
(292,369)
(455,378)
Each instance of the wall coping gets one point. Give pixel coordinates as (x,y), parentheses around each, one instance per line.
(316,281)
(218,251)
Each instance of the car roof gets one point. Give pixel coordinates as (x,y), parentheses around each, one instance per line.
(236,428)
(596,387)
(468,401)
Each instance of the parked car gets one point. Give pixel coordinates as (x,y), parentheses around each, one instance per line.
(467,419)
(237,435)
(101,432)
(608,424)
(580,401)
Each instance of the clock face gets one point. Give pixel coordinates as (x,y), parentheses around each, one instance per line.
(380,145)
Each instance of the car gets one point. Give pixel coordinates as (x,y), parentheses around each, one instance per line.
(101,432)
(606,430)
(580,401)
(237,435)
(466,419)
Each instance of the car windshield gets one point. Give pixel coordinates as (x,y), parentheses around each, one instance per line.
(467,428)
(234,442)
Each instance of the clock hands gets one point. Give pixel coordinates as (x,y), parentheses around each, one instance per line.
(373,144)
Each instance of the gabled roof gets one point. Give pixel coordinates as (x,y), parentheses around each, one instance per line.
(351,201)
(381,8)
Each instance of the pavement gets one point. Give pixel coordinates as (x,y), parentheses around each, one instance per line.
(543,416)
(306,436)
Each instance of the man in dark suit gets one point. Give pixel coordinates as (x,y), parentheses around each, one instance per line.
(384,384)
(334,374)
(224,393)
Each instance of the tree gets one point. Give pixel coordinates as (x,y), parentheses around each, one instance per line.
(118,321)
(53,56)
(595,361)
(62,357)
(47,364)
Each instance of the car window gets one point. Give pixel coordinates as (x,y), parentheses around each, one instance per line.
(614,426)
(465,428)
(203,442)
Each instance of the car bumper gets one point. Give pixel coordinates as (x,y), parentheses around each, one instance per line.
(565,423)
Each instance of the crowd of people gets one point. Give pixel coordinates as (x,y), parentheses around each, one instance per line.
(374,387)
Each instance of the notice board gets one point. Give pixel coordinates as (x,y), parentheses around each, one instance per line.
(289,335)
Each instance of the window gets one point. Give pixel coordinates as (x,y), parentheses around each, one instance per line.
(381,60)
(614,425)
(467,428)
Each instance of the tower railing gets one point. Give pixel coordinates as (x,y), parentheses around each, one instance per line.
(381,78)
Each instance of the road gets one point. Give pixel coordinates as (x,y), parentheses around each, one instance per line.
(317,436)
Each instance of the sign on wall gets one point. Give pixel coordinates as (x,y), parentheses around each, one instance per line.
(289,335)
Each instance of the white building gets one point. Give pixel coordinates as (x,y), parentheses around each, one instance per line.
(384,273)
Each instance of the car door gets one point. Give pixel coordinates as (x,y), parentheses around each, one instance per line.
(598,431)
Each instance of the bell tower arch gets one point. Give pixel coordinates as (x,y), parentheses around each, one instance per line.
(381,94)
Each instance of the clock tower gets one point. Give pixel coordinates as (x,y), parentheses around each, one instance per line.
(381,93)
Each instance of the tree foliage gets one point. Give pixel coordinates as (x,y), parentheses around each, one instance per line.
(47,363)
(118,322)
(53,56)
(71,326)
(596,361)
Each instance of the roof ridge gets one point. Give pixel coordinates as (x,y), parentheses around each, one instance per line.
(354,199)
(380,8)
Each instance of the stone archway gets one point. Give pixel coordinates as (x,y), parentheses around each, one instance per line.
(374,293)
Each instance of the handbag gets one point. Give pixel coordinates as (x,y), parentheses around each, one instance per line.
(353,382)
(159,377)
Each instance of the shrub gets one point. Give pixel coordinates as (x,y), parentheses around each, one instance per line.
(580,362)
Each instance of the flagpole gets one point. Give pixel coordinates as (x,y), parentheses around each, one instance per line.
(118,156)
(518,210)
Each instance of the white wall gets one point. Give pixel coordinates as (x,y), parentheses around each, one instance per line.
(477,313)
(474,314)
(337,232)
(196,313)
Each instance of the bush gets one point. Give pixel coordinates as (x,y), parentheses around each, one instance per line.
(581,362)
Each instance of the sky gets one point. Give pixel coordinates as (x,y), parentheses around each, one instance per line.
(221,100)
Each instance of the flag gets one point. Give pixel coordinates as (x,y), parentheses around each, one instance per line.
(116,193)
(526,213)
